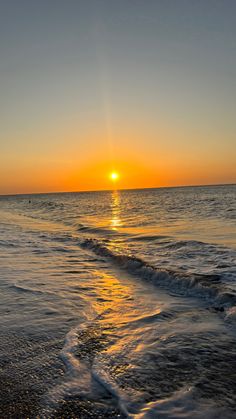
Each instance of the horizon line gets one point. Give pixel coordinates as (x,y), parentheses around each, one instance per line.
(117,189)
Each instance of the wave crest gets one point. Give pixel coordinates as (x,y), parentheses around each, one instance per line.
(206,285)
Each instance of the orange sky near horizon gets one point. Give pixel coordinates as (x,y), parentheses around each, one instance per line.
(36,175)
(147,90)
(74,157)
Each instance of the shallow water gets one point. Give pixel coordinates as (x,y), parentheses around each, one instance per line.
(119,304)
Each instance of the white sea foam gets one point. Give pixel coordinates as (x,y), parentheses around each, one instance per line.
(209,286)
(180,405)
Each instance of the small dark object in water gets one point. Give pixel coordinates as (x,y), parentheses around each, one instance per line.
(219,308)
(215,308)
(29,201)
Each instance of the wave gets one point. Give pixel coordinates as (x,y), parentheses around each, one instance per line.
(49,205)
(187,243)
(27,289)
(85,376)
(7,243)
(185,403)
(206,285)
(100,230)
(149,238)
(22,288)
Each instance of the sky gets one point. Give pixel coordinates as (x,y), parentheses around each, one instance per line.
(143,87)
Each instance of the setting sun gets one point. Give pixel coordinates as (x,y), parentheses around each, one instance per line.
(114,176)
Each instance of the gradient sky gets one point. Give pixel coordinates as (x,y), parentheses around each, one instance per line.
(145,87)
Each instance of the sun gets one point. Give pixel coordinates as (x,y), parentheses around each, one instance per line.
(114,176)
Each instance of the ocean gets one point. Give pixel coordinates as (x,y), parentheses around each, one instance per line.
(119,304)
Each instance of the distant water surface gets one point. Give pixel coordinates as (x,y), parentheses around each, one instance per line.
(119,304)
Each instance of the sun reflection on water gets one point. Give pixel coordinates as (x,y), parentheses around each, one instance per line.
(115,208)
(114,302)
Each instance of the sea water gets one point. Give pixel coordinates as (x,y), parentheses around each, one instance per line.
(119,304)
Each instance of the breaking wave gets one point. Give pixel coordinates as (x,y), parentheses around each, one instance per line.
(205,285)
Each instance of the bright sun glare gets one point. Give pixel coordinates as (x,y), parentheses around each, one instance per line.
(114,176)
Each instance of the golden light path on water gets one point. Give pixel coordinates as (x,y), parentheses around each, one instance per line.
(115,207)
